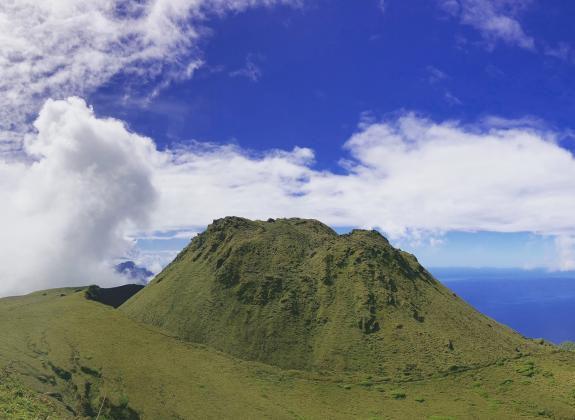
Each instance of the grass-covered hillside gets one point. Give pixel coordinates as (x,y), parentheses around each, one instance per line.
(293,293)
(74,356)
(349,328)
(20,402)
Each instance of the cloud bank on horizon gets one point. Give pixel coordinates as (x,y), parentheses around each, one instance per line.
(93,184)
(77,188)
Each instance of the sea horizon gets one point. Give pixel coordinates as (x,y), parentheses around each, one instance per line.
(536,303)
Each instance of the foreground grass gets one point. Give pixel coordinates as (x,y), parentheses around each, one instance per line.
(81,357)
(20,402)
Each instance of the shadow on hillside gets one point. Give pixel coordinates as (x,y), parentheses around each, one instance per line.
(113,296)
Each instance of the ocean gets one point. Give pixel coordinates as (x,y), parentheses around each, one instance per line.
(536,303)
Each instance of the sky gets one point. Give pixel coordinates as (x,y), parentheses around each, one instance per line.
(126,127)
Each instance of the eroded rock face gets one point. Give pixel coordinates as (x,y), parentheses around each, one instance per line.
(294,293)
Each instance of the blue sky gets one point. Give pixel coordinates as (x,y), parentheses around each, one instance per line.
(320,67)
(445,124)
(317,71)
(455,249)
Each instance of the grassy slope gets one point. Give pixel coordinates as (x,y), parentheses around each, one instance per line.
(295,294)
(20,402)
(56,344)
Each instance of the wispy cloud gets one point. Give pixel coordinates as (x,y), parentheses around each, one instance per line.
(435,75)
(382,5)
(168,236)
(497,21)
(451,99)
(562,51)
(250,70)
(438,77)
(57,48)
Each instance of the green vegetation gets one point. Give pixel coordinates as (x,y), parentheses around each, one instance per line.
(398,395)
(84,353)
(527,369)
(567,345)
(293,293)
(66,356)
(19,402)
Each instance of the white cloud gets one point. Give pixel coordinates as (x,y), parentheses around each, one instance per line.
(167,236)
(250,70)
(155,260)
(496,20)
(90,184)
(57,48)
(408,174)
(407,177)
(565,246)
(450,177)
(66,213)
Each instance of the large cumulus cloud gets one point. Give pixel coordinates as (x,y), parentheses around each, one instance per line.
(408,176)
(66,213)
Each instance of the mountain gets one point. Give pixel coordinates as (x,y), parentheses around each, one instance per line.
(133,272)
(371,333)
(295,294)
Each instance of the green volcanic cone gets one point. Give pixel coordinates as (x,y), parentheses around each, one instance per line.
(294,293)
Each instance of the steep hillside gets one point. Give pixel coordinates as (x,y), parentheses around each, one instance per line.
(295,294)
